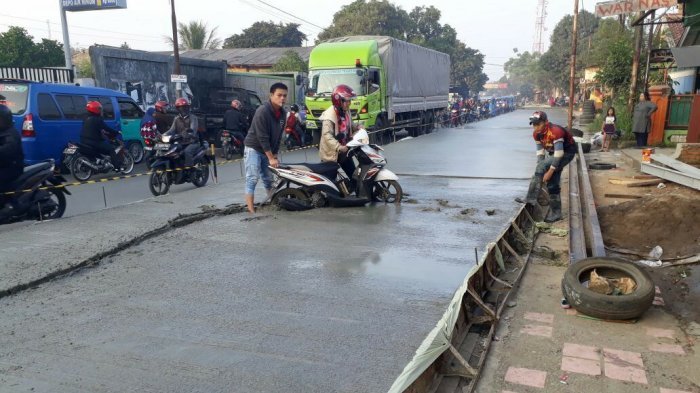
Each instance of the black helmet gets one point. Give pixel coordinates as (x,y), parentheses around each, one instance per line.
(294,108)
(5,117)
(538,117)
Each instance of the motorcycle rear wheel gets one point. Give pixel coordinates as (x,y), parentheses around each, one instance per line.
(80,170)
(289,193)
(200,174)
(127,163)
(59,198)
(159,182)
(382,191)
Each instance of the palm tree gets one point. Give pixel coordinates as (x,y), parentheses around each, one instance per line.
(196,35)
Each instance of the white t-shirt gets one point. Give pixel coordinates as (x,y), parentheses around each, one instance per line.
(610,120)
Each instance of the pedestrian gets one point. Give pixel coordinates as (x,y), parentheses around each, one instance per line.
(263,142)
(609,127)
(555,149)
(641,118)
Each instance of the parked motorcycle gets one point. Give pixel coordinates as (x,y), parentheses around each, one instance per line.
(323,184)
(30,201)
(231,143)
(83,161)
(166,168)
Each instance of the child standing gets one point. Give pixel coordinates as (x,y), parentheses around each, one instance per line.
(608,128)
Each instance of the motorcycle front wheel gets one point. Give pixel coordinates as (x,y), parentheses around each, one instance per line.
(200,174)
(59,205)
(79,169)
(387,191)
(159,182)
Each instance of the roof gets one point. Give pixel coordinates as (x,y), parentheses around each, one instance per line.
(675,27)
(246,56)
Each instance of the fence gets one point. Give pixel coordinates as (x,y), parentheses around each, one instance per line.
(679,108)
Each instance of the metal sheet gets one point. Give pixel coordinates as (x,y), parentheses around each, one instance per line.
(687,57)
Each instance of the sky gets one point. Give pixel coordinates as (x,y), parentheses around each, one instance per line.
(493,27)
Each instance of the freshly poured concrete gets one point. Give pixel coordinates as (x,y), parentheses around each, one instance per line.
(319,301)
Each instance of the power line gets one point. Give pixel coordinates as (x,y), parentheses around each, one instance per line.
(293,16)
(87,34)
(76,26)
(283,17)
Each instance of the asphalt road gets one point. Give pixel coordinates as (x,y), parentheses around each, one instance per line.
(328,300)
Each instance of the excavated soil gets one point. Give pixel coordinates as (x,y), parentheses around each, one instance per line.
(670,221)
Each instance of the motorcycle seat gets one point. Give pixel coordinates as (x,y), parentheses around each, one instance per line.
(88,151)
(30,171)
(328,170)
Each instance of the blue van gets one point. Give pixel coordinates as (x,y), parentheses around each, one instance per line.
(49,115)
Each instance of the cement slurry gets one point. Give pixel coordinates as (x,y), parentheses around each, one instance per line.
(320,301)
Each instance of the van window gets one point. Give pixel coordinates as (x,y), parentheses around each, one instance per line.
(73,107)
(14,96)
(107,107)
(129,110)
(47,107)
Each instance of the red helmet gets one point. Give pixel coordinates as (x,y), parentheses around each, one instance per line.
(236,104)
(342,93)
(94,107)
(181,102)
(161,105)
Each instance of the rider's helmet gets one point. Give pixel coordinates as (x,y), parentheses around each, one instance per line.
(161,106)
(5,117)
(94,107)
(341,94)
(538,117)
(294,108)
(235,104)
(182,106)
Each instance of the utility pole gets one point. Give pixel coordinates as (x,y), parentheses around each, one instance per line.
(635,65)
(572,72)
(176,48)
(66,39)
(650,43)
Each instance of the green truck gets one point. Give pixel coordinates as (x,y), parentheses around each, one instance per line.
(398,85)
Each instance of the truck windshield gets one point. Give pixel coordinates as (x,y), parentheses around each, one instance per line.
(324,81)
(14,96)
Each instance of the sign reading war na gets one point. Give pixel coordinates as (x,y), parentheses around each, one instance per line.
(92,5)
(618,7)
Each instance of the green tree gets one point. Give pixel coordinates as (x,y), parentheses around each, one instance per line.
(196,35)
(524,74)
(17,49)
(373,17)
(612,52)
(290,62)
(266,35)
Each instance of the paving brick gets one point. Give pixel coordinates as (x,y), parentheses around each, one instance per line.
(580,366)
(581,351)
(667,348)
(539,317)
(660,333)
(625,373)
(526,376)
(622,358)
(663,390)
(537,330)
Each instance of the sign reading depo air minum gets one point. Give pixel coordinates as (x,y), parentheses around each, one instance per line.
(91,5)
(618,7)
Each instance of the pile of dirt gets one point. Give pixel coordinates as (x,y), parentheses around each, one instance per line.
(670,221)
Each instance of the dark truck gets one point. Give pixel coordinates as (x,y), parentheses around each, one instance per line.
(211,111)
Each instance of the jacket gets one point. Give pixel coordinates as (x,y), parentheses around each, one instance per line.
(266,130)
(556,141)
(163,122)
(11,154)
(329,146)
(91,134)
(185,126)
(234,120)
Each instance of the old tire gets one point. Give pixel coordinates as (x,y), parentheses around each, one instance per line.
(601,166)
(607,306)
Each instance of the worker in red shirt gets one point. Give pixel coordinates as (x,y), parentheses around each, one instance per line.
(555,149)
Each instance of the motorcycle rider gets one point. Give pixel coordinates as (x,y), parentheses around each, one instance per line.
(186,125)
(234,119)
(337,130)
(11,154)
(555,149)
(294,124)
(163,121)
(95,130)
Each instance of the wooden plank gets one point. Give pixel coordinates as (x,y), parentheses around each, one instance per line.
(620,182)
(586,191)
(677,165)
(645,183)
(623,196)
(644,177)
(577,241)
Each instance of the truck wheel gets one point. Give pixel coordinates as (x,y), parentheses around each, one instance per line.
(602,306)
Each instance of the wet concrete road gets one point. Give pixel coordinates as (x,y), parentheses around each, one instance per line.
(329,300)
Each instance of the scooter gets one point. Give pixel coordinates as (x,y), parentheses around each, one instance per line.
(29,201)
(231,143)
(323,184)
(150,136)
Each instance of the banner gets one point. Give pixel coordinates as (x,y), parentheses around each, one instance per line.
(610,8)
(91,5)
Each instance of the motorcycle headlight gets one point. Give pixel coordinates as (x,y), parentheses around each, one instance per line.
(165,138)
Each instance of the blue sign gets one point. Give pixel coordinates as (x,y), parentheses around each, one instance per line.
(92,5)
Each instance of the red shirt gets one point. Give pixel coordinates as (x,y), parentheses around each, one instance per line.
(552,134)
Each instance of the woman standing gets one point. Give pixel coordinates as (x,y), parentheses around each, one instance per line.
(641,118)
(609,127)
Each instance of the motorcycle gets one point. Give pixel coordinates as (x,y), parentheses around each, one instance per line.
(39,195)
(454,118)
(295,137)
(150,136)
(231,143)
(322,184)
(83,161)
(167,166)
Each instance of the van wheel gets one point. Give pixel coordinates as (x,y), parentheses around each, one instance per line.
(137,151)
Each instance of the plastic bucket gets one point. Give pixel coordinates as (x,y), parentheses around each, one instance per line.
(646,155)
